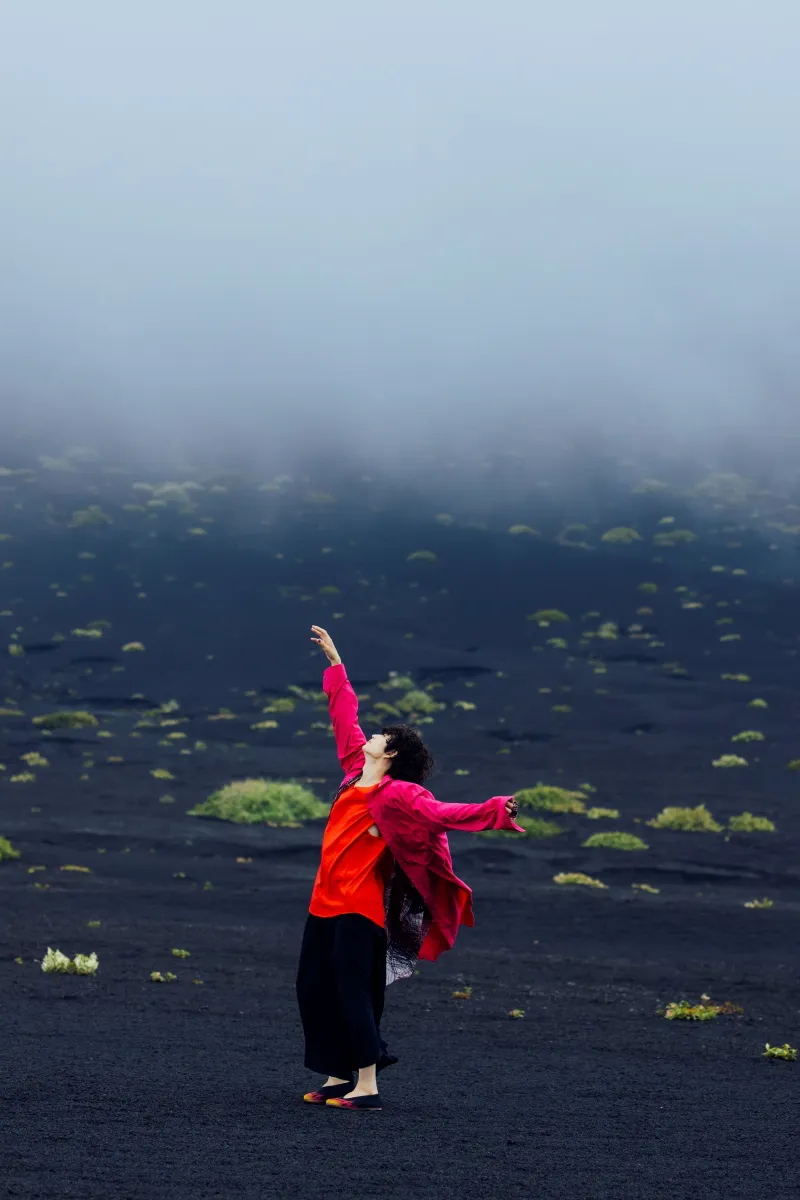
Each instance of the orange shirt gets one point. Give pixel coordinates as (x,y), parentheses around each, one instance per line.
(351,875)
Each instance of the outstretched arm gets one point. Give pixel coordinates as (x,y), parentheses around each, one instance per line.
(438,816)
(342,705)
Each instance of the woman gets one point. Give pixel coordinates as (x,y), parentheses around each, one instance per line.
(384,895)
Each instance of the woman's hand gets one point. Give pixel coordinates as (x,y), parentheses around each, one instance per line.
(511,807)
(325,641)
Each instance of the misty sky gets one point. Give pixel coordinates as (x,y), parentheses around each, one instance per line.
(381,219)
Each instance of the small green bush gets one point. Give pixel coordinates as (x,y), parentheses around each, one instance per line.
(684,1010)
(93,515)
(787,1052)
(548,615)
(7,851)
(404,682)
(616,839)
(535,827)
(729,760)
(418,702)
(253,801)
(673,536)
(621,534)
(538,827)
(748,735)
(81,964)
(281,704)
(570,536)
(67,720)
(745,823)
(578,877)
(555,799)
(693,820)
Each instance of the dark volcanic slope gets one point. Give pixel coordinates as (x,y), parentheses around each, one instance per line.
(122,592)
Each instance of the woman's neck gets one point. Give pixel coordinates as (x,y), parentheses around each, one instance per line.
(368,779)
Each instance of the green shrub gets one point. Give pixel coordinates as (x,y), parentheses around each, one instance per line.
(673,536)
(554,799)
(538,827)
(535,827)
(616,839)
(684,1010)
(621,534)
(787,1052)
(748,735)
(7,851)
(745,823)
(417,701)
(273,802)
(608,630)
(694,820)
(548,615)
(81,964)
(729,760)
(570,536)
(404,682)
(77,719)
(93,515)
(578,877)
(283,704)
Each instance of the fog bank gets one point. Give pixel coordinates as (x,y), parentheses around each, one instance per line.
(263,232)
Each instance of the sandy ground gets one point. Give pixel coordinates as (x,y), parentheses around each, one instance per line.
(114,1086)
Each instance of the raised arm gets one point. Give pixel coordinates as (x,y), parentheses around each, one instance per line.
(343,707)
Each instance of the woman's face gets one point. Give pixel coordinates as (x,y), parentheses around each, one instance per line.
(376,746)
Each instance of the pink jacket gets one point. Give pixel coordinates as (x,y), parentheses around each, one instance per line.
(423,918)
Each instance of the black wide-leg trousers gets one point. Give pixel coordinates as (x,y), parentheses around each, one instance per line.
(341,982)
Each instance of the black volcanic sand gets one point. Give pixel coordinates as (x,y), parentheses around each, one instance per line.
(116,1086)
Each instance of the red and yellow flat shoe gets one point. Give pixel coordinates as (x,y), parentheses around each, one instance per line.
(361,1102)
(321,1095)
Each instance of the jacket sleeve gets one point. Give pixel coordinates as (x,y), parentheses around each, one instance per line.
(438,816)
(343,708)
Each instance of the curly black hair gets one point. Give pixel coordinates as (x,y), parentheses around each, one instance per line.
(413,760)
